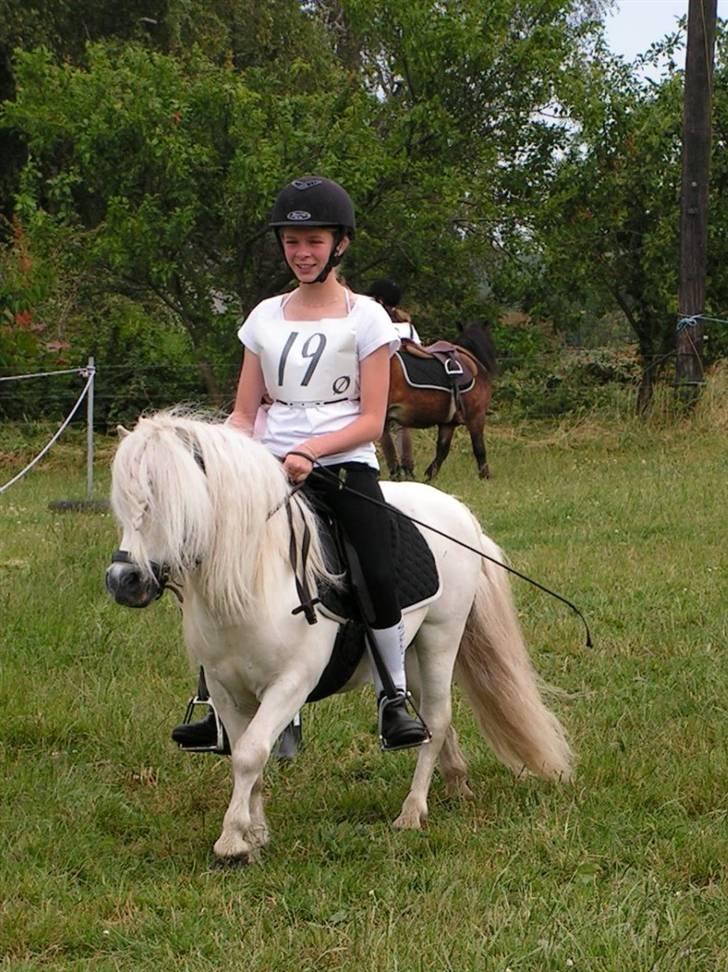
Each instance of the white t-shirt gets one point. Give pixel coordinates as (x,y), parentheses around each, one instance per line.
(311,371)
(406,329)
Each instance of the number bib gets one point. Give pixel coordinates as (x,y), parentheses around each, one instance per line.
(310,362)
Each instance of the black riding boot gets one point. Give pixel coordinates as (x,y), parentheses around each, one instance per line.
(400,725)
(199,736)
(206,735)
(398,729)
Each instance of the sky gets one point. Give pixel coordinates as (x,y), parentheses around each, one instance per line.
(637,23)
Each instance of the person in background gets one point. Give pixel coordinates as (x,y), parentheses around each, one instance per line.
(398,455)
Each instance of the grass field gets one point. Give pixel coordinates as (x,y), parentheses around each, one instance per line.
(107,828)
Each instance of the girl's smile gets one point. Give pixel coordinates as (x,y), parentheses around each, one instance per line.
(307,250)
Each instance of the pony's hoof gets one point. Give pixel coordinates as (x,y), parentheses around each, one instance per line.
(411,820)
(230,863)
(460,790)
(231,849)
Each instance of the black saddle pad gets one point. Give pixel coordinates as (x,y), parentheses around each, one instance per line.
(348,649)
(430,373)
(417,582)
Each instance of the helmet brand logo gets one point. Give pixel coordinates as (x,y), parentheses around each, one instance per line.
(306,183)
(298,215)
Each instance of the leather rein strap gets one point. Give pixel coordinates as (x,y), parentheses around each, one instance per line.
(303,588)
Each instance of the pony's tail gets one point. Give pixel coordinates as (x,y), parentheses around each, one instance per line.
(495,672)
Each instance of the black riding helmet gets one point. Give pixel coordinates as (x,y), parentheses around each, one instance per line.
(315,201)
(386,291)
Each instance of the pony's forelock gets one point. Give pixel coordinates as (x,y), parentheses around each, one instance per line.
(152,464)
(192,492)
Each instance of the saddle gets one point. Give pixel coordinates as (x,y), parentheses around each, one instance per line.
(418,583)
(441,366)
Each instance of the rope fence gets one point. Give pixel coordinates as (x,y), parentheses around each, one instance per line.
(545,359)
(108,394)
(43,374)
(683,325)
(692,320)
(89,373)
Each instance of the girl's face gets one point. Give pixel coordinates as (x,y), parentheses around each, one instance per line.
(307,250)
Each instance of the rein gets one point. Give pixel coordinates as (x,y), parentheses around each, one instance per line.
(303,588)
(484,556)
(161,572)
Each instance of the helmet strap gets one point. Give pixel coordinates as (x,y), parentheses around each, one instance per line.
(334,257)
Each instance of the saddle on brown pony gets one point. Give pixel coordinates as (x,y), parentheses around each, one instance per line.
(456,372)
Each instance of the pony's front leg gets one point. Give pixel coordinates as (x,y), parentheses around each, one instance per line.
(477,440)
(236,716)
(244,827)
(389,451)
(444,438)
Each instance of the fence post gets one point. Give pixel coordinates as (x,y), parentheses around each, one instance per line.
(90,430)
(697,132)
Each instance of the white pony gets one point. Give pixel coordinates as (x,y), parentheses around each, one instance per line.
(204,505)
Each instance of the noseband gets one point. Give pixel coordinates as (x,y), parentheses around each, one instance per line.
(161,574)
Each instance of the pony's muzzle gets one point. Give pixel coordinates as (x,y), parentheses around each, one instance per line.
(128,585)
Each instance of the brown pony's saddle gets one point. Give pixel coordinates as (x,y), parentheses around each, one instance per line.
(441,366)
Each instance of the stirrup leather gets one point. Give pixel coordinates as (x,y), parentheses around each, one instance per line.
(384,745)
(219,745)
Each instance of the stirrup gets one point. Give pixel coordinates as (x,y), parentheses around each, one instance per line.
(221,745)
(409,702)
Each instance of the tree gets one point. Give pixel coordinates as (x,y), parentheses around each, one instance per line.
(609,226)
(244,33)
(153,171)
(157,173)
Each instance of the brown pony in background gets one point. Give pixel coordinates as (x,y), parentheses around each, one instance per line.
(420,408)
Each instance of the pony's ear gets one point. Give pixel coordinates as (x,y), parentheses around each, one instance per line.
(122,432)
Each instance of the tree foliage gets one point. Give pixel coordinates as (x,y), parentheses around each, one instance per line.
(608,234)
(497,154)
(152,171)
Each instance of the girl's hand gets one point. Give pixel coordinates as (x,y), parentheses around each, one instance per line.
(298,465)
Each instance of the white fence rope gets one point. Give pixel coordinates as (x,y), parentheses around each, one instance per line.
(89,374)
(45,374)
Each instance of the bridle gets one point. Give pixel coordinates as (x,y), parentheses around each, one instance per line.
(160,573)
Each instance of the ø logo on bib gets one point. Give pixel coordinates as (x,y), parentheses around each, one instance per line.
(298,215)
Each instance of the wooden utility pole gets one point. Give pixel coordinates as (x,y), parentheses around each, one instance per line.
(697,107)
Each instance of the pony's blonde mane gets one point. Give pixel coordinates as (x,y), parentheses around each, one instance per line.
(199,496)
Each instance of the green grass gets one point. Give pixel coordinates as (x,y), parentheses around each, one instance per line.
(108,829)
